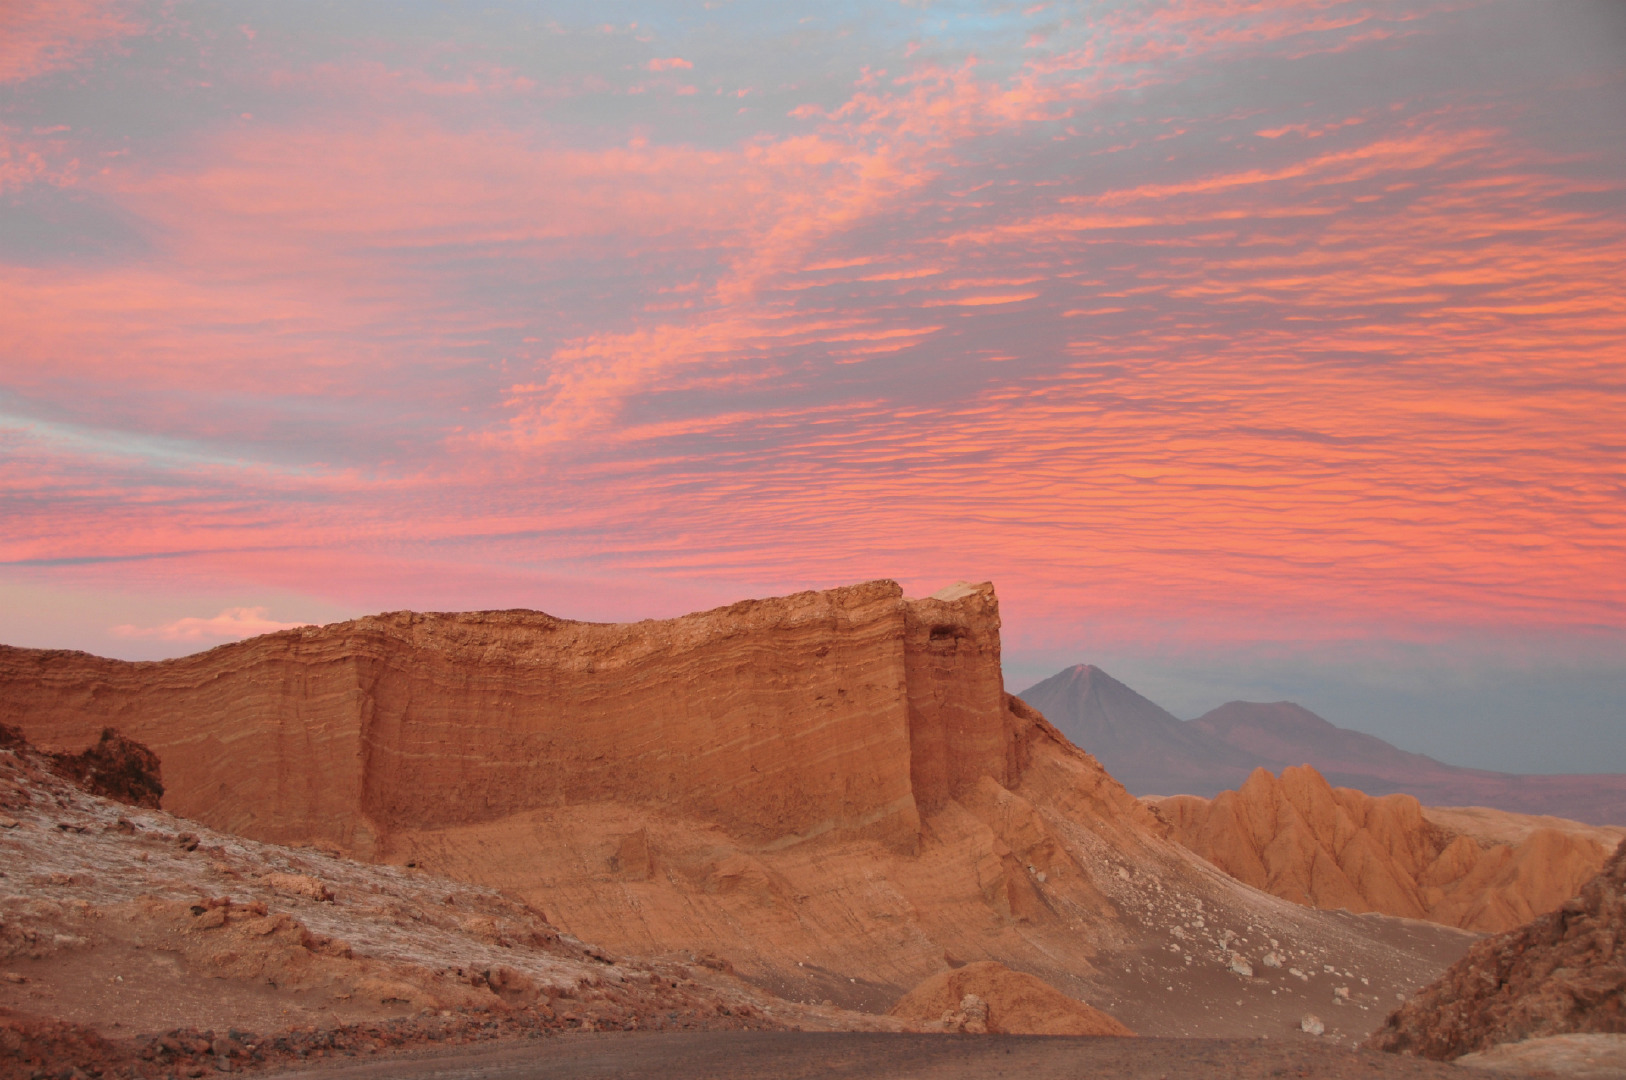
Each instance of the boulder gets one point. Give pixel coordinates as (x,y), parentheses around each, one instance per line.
(990,996)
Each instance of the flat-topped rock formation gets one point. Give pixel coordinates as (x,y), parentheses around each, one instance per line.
(850,710)
(829,791)
(1299,838)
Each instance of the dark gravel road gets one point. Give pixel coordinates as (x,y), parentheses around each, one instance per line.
(789,1055)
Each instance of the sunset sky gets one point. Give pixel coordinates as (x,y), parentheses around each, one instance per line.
(1263,350)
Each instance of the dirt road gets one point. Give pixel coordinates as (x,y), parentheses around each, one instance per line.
(785,1055)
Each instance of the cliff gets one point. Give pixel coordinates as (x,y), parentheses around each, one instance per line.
(1301,839)
(786,717)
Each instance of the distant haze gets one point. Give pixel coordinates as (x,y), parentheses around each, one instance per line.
(1152,752)
(1497,706)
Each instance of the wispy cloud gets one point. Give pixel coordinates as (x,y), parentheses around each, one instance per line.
(230,625)
(38,37)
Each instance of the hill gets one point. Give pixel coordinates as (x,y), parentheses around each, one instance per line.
(1561,975)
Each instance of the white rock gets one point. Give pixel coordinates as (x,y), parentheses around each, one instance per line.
(1240,965)
(1271,960)
(1312,1025)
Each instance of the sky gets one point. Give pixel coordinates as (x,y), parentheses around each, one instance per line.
(1253,350)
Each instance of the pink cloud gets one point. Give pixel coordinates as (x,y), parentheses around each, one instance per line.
(669,63)
(230,625)
(1358,375)
(41,36)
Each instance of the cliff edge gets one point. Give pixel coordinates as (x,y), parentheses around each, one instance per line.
(852,710)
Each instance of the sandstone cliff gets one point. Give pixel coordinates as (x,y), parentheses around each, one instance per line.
(1563,973)
(776,718)
(1301,839)
(830,790)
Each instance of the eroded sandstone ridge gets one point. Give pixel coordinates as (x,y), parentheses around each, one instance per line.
(831,791)
(1564,973)
(1299,838)
(777,718)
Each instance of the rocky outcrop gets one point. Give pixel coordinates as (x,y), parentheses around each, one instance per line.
(851,710)
(1564,973)
(116,920)
(990,997)
(115,767)
(1301,839)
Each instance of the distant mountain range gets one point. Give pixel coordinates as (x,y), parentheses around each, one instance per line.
(1153,752)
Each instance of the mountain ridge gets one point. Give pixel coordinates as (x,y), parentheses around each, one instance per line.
(1152,752)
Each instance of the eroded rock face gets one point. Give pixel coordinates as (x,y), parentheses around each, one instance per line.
(1563,973)
(849,710)
(1299,838)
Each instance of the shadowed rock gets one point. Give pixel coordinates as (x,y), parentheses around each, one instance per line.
(1564,973)
(115,767)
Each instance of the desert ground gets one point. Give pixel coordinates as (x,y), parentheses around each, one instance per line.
(846,1056)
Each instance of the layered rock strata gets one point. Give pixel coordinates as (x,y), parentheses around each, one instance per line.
(1299,838)
(1564,973)
(850,710)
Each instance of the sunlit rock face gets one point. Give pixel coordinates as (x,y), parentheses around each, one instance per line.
(1301,839)
(845,710)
